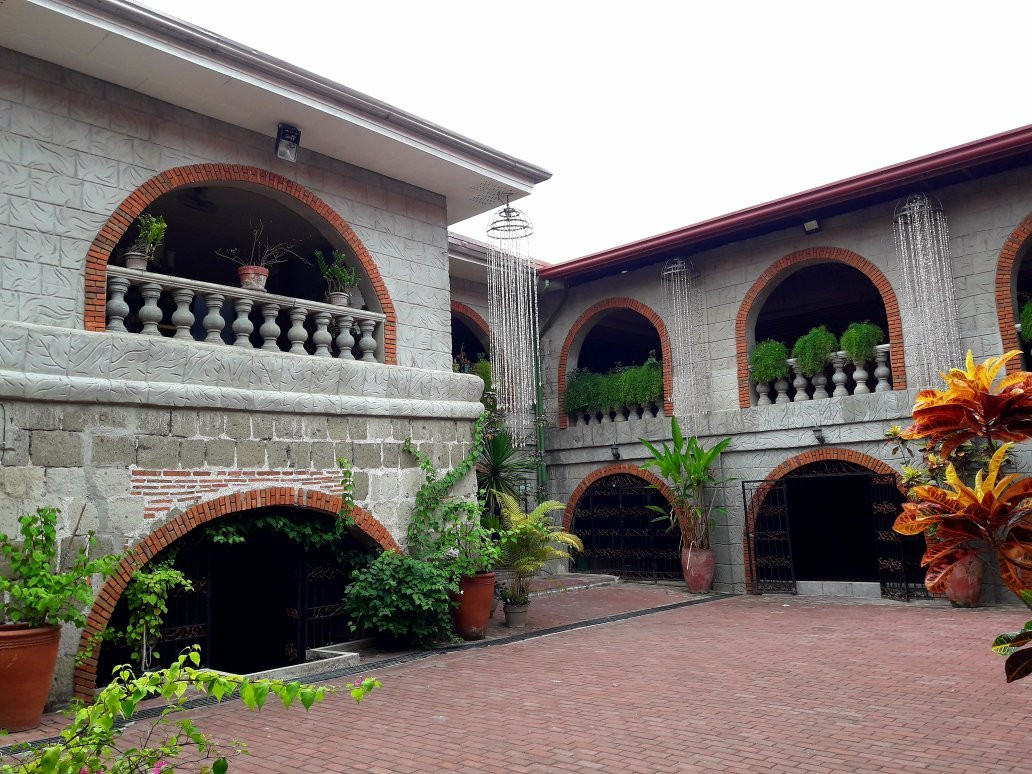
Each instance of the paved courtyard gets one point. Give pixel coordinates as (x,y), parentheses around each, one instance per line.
(739,684)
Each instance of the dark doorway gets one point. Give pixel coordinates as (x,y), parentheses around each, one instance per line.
(467,346)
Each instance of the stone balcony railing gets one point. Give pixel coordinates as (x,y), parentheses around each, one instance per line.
(232,315)
(846,378)
(621,414)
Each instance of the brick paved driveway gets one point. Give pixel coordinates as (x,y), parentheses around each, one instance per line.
(742,684)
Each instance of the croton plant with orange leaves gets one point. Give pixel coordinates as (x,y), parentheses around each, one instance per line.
(995,510)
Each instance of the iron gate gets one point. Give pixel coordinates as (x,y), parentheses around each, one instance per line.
(899,556)
(767,537)
(619,532)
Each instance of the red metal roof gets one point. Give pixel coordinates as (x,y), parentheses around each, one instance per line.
(973,159)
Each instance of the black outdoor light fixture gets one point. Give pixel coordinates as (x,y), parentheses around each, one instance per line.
(818,433)
(615,451)
(288,140)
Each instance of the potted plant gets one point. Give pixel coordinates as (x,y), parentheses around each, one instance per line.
(150,234)
(527,546)
(39,597)
(468,552)
(686,467)
(340,278)
(253,268)
(858,341)
(768,363)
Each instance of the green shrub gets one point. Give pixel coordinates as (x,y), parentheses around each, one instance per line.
(812,349)
(482,368)
(582,392)
(769,361)
(402,598)
(643,384)
(860,339)
(587,391)
(1026,321)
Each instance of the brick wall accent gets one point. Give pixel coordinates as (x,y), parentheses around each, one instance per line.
(171,179)
(1006,267)
(811,255)
(471,315)
(612,470)
(587,317)
(793,463)
(85,676)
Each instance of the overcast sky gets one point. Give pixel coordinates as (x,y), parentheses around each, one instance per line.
(655,115)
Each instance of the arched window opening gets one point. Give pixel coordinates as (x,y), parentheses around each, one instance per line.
(469,344)
(1022,280)
(268,586)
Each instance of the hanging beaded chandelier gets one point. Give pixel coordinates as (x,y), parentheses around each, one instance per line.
(929,308)
(682,293)
(512,308)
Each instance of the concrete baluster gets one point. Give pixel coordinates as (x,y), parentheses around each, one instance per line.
(117,309)
(183,317)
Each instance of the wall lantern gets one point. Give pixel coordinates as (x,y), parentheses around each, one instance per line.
(288,140)
(615,451)
(812,226)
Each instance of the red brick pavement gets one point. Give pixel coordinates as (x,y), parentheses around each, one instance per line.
(743,684)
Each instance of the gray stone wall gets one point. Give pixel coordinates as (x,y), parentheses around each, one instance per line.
(72,148)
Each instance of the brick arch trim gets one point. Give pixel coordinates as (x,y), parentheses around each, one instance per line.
(85,678)
(610,470)
(794,463)
(164,182)
(1006,265)
(596,310)
(472,315)
(811,255)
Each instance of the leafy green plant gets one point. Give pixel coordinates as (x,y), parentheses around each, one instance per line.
(642,385)
(149,235)
(92,740)
(146,597)
(769,361)
(504,468)
(527,544)
(340,278)
(1017,646)
(346,515)
(401,597)
(860,339)
(38,592)
(583,392)
(686,464)
(812,349)
(1026,321)
(482,368)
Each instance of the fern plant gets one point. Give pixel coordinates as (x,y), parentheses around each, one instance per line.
(527,544)
(860,339)
(769,361)
(812,349)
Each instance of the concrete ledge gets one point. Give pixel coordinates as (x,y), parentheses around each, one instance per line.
(852,589)
(306,669)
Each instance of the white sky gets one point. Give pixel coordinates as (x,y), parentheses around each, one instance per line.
(654,115)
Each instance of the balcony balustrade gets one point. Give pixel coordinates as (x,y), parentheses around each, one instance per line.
(846,378)
(233,315)
(617,414)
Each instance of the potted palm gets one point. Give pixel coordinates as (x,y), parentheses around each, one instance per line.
(253,268)
(340,278)
(527,546)
(40,596)
(686,467)
(149,236)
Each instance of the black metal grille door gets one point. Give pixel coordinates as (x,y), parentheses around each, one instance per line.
(326,620)
(768,543)
(899,556)
(619,534)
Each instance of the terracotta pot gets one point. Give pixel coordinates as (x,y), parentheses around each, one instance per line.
(136,261)
(474,609)
(27,659)
(964,584)
(253,277)
(515,615)
(697,566)
(338,298)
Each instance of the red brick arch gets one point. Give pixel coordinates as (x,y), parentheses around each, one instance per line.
(611,470)
(595,311)
(794,463)
(171,179)
(162,537)
(471,315)
(784,266)
(1007,266)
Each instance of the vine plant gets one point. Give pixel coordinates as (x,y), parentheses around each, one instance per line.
(147,599)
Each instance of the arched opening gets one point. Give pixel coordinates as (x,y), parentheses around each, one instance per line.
(611,513)
(470,338)
(268,586)
(1022,295)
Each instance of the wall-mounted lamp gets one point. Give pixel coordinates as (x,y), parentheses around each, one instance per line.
(288,140)
(615,452)
(818,433)
(812,226)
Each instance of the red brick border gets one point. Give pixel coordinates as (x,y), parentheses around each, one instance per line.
(85,679)
(794,463)
(1006,265)
(596,310)
(171,179)
(610,470)
(819,255)
(472,315)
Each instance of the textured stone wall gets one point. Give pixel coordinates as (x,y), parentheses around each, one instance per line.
(72,148)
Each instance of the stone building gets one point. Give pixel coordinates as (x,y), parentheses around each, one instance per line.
(144,403)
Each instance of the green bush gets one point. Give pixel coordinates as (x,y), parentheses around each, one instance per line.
(769,361)
(812,349)
(482,368)
(642,384)
(1026,321)
(401,597)
(582,392)
(587,391)
(860,339)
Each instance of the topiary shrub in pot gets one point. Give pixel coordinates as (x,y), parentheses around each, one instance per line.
(768,363)
(39,596)
(811,352)
(859,341)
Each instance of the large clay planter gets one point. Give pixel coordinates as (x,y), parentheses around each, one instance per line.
(476,592)
(27,659)
(964,584)
(697,566)
(253,277)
